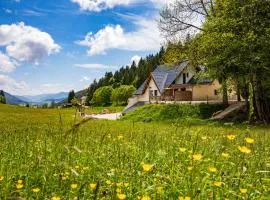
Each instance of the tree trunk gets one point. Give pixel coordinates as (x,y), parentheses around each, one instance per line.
(225,93)
(260,101)
(238,92)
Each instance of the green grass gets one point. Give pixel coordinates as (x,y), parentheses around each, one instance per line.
(38,148)
(172,113)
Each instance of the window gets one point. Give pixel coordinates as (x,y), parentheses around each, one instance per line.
(155,92)
(187,75)
(215,92)
(183,89)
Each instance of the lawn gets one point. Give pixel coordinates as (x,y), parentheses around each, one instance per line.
(43,156)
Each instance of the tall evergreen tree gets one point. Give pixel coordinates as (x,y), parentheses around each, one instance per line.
(71,96)
(2,97)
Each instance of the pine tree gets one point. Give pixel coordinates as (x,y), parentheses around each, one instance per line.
(71,96)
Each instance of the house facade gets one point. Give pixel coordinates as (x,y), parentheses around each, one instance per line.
(178,83)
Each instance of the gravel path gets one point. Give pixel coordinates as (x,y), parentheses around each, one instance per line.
(112,116)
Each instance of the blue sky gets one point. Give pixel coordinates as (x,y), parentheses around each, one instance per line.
(59,45)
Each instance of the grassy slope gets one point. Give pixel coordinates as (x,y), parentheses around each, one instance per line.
(35,149)
(174,112)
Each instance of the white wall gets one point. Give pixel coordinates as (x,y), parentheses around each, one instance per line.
(190,70)
(145,96)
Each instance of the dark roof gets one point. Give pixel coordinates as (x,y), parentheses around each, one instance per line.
(164,76)
(200,80)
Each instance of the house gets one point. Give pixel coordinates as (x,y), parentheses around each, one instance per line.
(178,83)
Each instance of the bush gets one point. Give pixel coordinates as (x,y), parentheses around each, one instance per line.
(121,94)
(102,96)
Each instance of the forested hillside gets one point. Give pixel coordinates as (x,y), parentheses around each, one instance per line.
(129,75)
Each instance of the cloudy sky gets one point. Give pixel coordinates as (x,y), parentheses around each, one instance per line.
(51,46)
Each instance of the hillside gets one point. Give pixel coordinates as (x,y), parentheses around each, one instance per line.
(12,99)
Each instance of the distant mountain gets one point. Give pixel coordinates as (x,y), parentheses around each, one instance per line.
(78,95)
(44,98)
(12,99)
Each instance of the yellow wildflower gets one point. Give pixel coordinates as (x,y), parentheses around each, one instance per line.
(119,184)
(249,140)
(121,196)
(35,190)
(55,198)
(182,149)
(19,181)
(190,168)
(64,178)
(225,155)
(92,186)
(120,137)
(147,167)
(19,186)
(217,183)
(197,156)
(118,190)
(243,190)
(244,149)
(126,184)
(77,167)
(204,138)
(160,190)
(108,182)
(212,169)
(74,186)
(184,198)
(1,178)
(145,198)
(231,137)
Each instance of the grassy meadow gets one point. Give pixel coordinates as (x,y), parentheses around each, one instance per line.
(43,155)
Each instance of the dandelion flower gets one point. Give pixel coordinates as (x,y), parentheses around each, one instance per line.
(190,168)
(1,178)
(92,186)
(249,140)
(118,190)
(147,167)
(243,190)
(184,198)
(19,181)
(121,196)
(35,190)
(74,186)
(231,137)
(119,184)
(217,183)
(145,198)
(197,156)
(55,198)
(19,186)
(244,149)
(225,155)
(212,169)
(182,149)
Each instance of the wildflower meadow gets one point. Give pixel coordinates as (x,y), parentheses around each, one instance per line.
(51,154)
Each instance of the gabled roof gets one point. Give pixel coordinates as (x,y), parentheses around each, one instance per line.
(163,76)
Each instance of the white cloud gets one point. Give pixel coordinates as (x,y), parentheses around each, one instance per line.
(26,43)
(99,5)
(10,85)
(94,66)
(7,10)
(6,64)
(136,59)
(145,38)
(84,78)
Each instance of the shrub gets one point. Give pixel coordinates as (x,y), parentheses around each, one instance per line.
(102,96)
(121,94)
